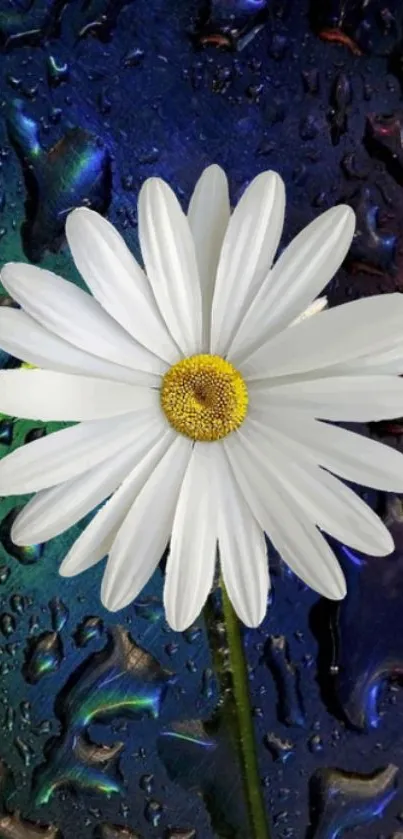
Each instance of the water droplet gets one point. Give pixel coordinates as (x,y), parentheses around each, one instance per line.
(280,818)
(17,603)
(25,751)
(76,171)
(34,624)
(340,99)
(384,139)
(4,573)
(9,719)
(344,800)
(44,727)
(309,127)
(192,634)
(43,655)
(376,653)
(230,25)
(57,71)
(59,613)
(127,182)
(208,683)
(34,434)
(146,783)
(150,608)
(25,710)
(279,748)
(6,426)
(89,629)
(191,756)
(122,680)
(315,744)
(26,555)
(14,827)
(133,57)
(153,812)
(55,115)
(286,676)
(310,80)
(7,624)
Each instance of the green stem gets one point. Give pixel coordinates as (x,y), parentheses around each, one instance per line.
(243,711)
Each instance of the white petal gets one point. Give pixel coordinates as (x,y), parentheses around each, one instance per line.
(208,214)
(25,339)
(169,257)
(192,556)
(338,398)
(54,397)
(297,541)
(63,308)
(242,548)
(117,281)
(54,510)
(144,534)
(346,332)
(69,452)
(249,246)
(299,275)
(388,362)
(352,456)
(96,540)
(324,500)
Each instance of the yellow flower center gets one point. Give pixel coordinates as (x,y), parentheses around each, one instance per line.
(204,397)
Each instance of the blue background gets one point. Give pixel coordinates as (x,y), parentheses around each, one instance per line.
(98,728)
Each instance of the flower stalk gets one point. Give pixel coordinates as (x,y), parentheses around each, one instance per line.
(231,669)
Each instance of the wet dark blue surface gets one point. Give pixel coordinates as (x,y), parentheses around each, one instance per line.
(100,727)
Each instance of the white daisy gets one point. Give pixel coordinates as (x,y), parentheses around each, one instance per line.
(200,411)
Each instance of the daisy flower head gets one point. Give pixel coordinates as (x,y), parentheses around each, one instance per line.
(201,393)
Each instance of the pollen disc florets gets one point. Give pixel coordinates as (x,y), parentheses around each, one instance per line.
(204,397)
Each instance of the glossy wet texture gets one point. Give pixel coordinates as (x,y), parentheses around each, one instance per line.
(113,726)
